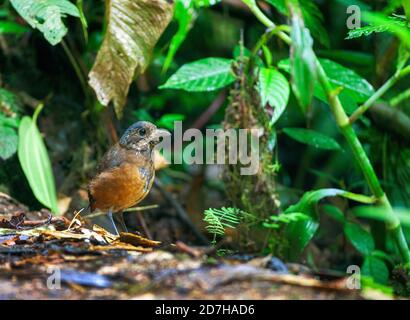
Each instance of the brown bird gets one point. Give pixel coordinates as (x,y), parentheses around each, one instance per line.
(126,172)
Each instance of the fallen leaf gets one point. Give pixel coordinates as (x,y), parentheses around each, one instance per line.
(120,246)
(134,239)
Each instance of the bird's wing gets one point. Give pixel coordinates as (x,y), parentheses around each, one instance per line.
(113,158)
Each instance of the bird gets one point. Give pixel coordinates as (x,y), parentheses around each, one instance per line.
(125,173)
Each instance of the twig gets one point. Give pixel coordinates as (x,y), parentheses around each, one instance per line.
(392,120)
(187,249)
(214,107)
(75,218)
(180,211)
(379,93)
(76,67)
(144,226)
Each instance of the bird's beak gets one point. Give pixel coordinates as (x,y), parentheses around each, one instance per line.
(158,133)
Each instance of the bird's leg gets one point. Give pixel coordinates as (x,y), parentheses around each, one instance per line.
(112,221)
(120,219)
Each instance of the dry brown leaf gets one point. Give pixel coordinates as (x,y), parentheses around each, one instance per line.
(136,240)
(134,27)
(120,246)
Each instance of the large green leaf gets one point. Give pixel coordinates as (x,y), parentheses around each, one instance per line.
(359,88)
(302,63)
(299,233)
(133,29)
(354,85)
(274,90)
(202,75)
(360,238)
(8,142)
(46,16)
(313,138)
(375,268)
(307,204)
(334,212)
(34,160)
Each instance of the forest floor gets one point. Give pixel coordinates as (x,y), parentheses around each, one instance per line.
(63,259)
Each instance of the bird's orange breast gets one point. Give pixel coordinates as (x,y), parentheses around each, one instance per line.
(120,188)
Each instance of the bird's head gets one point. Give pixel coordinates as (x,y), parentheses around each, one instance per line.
(142,136)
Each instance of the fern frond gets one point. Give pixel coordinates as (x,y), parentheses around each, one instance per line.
(219,219)
(368,30)
(274,222)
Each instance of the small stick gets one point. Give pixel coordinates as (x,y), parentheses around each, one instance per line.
(143,224)
(180,211)
(187,249)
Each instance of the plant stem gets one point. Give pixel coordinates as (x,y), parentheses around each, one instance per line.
(342,120)
(379,93)
(265,20)
(76,67)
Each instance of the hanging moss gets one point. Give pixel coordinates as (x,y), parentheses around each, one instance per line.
(256,193)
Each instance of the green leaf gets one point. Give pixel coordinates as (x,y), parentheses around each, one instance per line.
(9,27)
(302,63)
(380,214)
(83,19)
(274,90)
(360,238)
(46,16)
(314,21)
(370,29)
(375,268)
(34,160)
(202,75)
(218,220)
(205,3)
(10,105)
(8,142)
(311,15)
(133,29)
(381,23)
(354,85)
(280,5)
(274,221)
(307,204)
(299,234)
(334,212)
(185,16)
(12,122)
(313,138)
(167,120)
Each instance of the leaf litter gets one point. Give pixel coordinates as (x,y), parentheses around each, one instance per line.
(96,264)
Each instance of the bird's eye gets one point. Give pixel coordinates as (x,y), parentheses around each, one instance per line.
(142,132)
